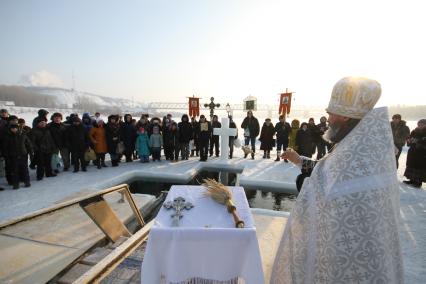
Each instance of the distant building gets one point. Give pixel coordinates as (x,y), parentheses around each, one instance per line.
(7,103)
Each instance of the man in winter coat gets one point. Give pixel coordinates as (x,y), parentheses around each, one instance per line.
(58,130)
(113,137)
(79,143)
(400,132)
(44,147)
(282,129)
(16,147)
(251,131)
(205,131)
(128,134)
(185,135)
(214,141)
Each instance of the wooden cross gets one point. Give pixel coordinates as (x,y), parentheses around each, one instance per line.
(178,205)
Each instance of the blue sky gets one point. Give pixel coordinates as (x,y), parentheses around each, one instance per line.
(167,50)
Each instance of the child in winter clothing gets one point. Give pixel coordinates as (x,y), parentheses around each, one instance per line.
(142,145)
(156,142)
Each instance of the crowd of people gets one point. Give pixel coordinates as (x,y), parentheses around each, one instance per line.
(56,143)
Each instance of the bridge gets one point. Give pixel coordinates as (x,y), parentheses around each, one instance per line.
(184,106)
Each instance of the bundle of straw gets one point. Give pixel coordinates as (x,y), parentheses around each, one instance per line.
(222,195)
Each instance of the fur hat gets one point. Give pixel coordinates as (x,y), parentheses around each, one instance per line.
(354,97)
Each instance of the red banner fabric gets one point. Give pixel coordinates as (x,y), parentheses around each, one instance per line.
(194,107)
(285,103)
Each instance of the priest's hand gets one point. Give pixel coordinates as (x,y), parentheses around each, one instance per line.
(292,156)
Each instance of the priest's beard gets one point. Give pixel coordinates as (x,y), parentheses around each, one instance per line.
(337,131)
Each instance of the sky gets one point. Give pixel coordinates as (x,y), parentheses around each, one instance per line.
(165,51)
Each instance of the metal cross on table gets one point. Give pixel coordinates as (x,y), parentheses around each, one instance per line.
(178,204)
(211,106)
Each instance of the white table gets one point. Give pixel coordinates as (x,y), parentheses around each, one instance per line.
(206,244)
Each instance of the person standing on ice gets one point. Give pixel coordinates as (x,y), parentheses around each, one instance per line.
(344,225)
(214,139)
(282,129)
(251,131)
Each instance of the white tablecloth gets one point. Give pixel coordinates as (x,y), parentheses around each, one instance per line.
(205,245)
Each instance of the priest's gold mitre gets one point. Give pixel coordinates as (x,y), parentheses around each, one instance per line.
(354,97)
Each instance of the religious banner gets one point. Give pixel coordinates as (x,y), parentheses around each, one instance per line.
(285,103)
(250,103)
(194,106)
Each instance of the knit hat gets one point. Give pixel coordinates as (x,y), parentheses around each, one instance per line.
(354,97)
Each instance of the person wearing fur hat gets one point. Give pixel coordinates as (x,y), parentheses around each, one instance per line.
(44,147)
(351,195)
(78,140)
(113,137)
(282,129)
(59,132)
(16,147)
(267,138)
(128,134)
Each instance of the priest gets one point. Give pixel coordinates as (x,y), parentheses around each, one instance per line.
(344,225)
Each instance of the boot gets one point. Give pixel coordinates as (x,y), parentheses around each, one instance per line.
(278,156)
(230,155)
(245,156)
(252,156)
(16,186)
(264,154)
(268,155)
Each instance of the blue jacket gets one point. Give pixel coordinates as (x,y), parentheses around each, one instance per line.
(142,144)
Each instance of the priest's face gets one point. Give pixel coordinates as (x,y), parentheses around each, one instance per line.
(335,123)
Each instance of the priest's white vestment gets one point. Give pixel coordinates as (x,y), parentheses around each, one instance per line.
(344,225)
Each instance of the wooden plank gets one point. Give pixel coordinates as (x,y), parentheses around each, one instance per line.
(106,219)
(25,261)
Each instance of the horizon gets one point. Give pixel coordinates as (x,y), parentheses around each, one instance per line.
(170,50)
